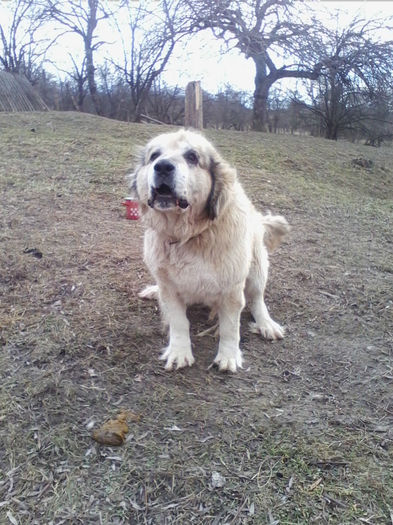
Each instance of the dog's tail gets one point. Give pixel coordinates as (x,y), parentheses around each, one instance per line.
(276,227)
(150,292)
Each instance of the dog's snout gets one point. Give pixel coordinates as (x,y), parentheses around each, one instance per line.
(164,174)
(164,168)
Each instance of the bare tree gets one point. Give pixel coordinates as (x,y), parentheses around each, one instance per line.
(166,103)
(270,32)
(377,126)
(227,109)
(82,18)
(22,50)
(278,111)
(78,75)
(356,73)
(153,30)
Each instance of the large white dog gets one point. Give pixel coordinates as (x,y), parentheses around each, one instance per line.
(204,243)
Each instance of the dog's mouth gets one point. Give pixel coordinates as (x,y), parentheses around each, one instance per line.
(164,198)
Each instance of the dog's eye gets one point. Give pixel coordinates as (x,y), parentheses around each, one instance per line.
(191,157)
(154,155)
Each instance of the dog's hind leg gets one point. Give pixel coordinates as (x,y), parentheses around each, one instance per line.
(254,291)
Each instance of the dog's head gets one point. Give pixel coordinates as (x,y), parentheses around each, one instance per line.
(179,172)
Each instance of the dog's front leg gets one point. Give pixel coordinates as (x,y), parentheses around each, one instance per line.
(178,353)
(229,356)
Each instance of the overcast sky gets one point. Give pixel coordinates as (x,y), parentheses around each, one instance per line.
(201,58)
(206,63)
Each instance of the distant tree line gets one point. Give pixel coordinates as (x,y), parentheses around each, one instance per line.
(344,76)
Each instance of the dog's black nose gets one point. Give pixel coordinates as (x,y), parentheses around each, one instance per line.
(164,167)
(163,173)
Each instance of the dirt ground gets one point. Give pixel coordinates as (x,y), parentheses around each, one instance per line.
(303,434)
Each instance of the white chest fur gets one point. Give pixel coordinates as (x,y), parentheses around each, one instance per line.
(201,271)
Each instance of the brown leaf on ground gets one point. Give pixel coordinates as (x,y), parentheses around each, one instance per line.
(113,432)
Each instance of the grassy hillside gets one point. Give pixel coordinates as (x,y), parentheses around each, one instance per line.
(304,434)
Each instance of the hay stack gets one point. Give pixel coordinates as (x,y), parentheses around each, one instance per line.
(17,94)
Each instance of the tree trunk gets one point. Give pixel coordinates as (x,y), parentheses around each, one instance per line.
(138,112)
(90,69)
(90,73)
(264,80)
(331,131)
(260,119)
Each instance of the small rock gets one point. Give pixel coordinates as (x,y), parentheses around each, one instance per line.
(217,480)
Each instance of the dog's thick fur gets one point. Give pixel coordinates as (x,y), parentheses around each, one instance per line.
(204,243)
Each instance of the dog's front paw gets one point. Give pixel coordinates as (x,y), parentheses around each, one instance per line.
(177,357)
(269,330)
(229,361)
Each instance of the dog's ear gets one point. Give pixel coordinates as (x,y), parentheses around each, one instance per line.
(131,183)
(131,178)
(223,178)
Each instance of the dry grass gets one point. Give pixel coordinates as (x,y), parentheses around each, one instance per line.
(302,435)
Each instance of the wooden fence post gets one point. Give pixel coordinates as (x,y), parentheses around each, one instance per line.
(193,117)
